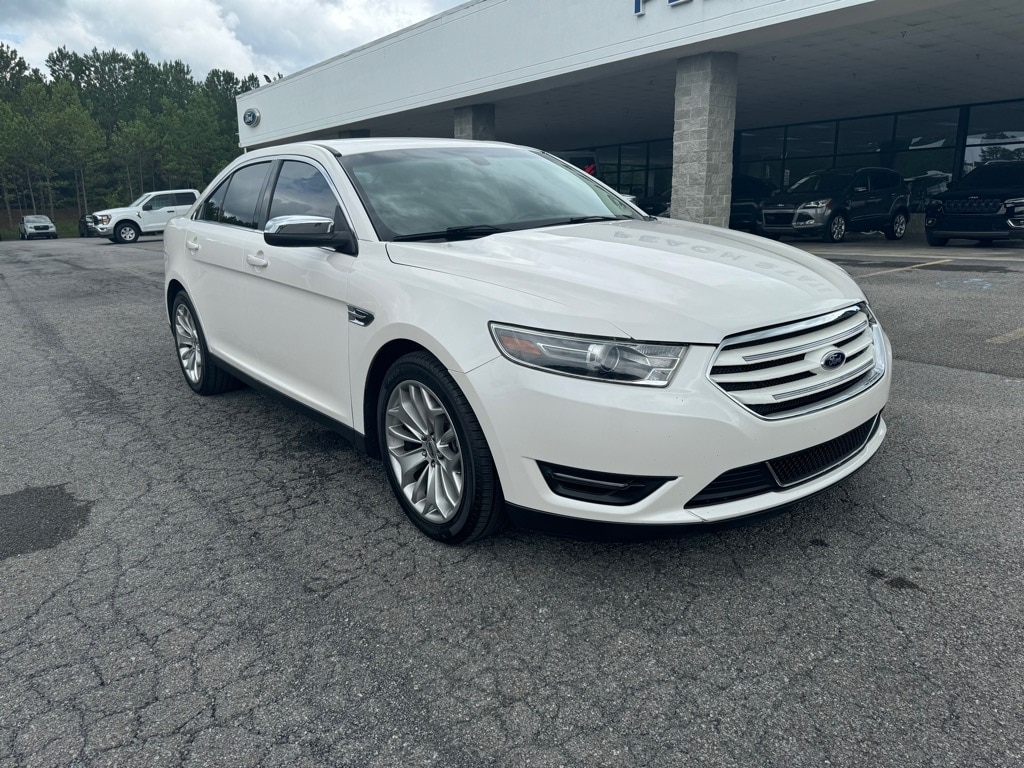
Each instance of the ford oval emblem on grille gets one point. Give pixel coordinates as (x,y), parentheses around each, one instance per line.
(833,360)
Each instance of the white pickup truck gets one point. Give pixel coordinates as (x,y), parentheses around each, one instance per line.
(147,215)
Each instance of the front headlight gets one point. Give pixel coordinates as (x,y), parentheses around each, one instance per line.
(823,203)
(612,360)
(1017,202)
(101,219)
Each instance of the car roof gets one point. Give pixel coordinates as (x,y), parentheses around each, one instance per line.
(360,146)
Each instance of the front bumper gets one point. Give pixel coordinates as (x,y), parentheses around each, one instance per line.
(689,433)
(795,221)
(975,227)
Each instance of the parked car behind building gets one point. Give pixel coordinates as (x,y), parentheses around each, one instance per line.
(831,202)
(985,205)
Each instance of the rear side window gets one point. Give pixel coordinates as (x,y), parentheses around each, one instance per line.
(184,198)
(214,204)
(301,189)
(243,195)
(160,201)
(883,179)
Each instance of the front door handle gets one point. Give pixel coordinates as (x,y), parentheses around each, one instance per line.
(256,261)
(192,245)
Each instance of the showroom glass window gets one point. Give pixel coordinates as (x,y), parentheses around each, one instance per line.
(301,189)
(866,141)
(760,154)
(995,132)
(925,152)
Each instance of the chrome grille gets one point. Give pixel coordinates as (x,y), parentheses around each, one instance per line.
(800,367)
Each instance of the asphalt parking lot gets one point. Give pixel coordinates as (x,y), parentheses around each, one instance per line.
(192,581)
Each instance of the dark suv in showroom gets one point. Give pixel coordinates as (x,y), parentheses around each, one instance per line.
(831,202)
(985,205)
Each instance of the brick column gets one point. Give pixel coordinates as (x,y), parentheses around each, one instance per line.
(474,122)
(702,141)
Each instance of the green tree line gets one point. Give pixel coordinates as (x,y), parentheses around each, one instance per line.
(97,130)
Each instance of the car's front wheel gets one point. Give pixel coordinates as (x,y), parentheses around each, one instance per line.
(201,373)
(897,227)
(435,453)
(934,240)
(835,232)
(126,232)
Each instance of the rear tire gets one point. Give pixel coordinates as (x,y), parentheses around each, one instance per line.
(199,370)
(897,227)
(435,454)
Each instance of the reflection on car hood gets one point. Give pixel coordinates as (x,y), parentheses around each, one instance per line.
(662,280)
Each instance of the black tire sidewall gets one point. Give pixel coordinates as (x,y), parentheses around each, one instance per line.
(424,369)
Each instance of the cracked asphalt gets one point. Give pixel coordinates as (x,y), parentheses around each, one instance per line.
(192,581)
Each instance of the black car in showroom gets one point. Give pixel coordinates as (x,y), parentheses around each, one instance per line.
(985,205)
(833,201)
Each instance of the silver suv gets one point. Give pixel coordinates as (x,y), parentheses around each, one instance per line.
(146,216)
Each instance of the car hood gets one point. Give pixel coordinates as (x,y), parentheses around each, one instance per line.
(792,199)
(981,192)
(116,212)
(659,280)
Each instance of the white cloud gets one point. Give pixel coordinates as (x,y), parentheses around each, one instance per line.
(243,36)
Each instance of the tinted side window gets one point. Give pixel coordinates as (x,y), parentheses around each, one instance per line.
(243,194)
(860,179)
(214,204)
(302,190)
(184,198)
(884,179)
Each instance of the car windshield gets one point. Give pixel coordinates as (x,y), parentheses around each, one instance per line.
(828,183)
(996,175)
(449,192)
(137,201)
(37,220)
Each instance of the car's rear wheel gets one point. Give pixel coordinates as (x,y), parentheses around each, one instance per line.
(126,232)
(435,454)
(897,227)
(201,373)
(934,240)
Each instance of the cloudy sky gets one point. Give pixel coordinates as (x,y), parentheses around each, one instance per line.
(243,36)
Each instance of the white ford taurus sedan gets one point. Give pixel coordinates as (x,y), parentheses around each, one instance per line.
(511,337)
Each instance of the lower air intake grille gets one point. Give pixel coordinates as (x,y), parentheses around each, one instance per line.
(785,471)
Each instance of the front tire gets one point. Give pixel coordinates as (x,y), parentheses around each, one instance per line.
(435,454)
(835,232)
(199,370)
(897,227)
(934,240)
(126,233)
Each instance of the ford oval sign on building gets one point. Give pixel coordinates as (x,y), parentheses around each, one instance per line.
(251,117)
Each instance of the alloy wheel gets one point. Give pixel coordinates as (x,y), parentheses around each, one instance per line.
(190,351)
(423,452)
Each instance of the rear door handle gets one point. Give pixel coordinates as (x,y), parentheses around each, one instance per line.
(256,261)
(193,245)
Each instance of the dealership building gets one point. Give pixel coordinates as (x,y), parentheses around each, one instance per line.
(675,97)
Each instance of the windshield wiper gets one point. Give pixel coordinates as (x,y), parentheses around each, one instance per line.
(586,219)
(452,233)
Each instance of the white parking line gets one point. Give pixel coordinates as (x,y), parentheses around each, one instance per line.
(1006,338)
(904,269)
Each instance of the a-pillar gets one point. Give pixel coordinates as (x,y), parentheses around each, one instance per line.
(474,122)
(702,142)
